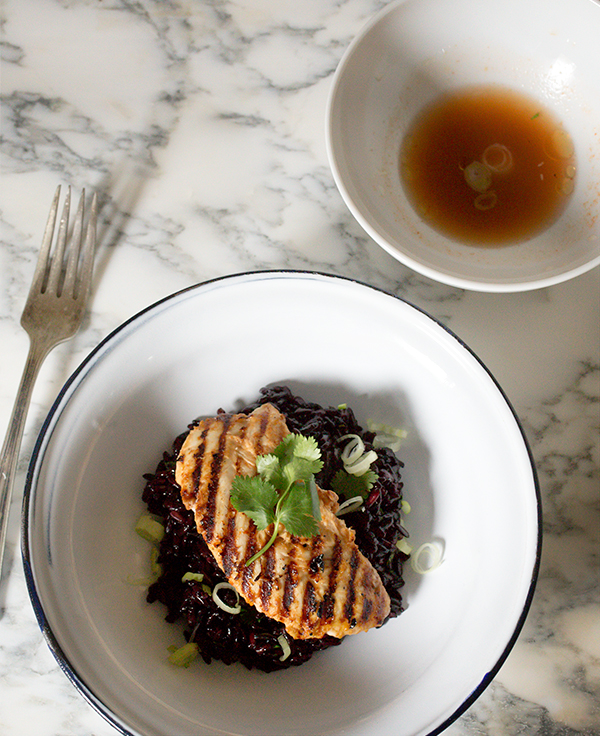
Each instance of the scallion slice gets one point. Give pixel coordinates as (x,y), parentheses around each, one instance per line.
(220,603)
(427,558)
(350,505)
(197,577)
(150,529)
(183,656)
(386,435)
(360,466)
(485,201)
(285,647)
(478,176)
(498,158)
(355,459)
(404,546)
(353,449)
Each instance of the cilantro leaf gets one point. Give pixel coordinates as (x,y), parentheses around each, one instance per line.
(297,451)
(299,469)
(307,448)
(348,486)
(267,466)
(284,451)
(256,498)
(295,511)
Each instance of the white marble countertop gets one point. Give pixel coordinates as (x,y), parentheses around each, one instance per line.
(201,126)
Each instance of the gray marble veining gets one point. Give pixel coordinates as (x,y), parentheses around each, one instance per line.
(201,126)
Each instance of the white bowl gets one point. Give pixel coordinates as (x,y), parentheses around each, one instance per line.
(412,51)
(468,477)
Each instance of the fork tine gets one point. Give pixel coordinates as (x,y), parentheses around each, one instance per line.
(56,262)
(85,280)
(41,267)
(74,249)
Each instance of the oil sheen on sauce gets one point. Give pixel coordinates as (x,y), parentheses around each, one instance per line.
(487,166)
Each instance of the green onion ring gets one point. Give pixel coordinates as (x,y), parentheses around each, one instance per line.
(221,604)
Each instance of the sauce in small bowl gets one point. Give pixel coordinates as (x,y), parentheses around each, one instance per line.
(487,166)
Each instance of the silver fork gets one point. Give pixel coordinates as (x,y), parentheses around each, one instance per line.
(52,314)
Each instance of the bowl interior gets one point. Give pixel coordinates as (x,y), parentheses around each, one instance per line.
(415,50)
(468,478)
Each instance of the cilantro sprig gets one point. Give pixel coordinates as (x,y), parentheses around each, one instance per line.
(284,492)
(348,485)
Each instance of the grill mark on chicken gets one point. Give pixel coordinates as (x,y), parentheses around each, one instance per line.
(290,583)
(229,547)
(316,558)
(366,610)
(329,601)
(264,422)
(246,578)
(311,584)
(310,604)
(351,590)
(188,495)
(248,572)
(266,583)
(209,518)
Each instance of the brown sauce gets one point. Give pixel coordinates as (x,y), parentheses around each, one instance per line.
(487,166)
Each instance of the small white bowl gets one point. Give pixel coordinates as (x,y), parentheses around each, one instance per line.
(413,51)
(468,477)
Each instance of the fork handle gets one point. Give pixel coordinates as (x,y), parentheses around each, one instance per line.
(38,350)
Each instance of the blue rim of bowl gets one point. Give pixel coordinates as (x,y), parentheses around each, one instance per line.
(38,608)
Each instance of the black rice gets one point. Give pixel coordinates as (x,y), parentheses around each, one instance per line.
(250,637)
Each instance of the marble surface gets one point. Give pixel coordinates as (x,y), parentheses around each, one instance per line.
(201,126)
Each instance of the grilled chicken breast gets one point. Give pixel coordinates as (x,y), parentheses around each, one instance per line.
(313,585)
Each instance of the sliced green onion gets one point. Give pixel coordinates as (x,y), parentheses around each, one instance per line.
(150,529)
(405,507)
(478,176)
(353,449)
(285,647)
(498,158)
(404,546)
(155,570)
(198,577)
(427,558)
(563,143)
(360,466)
(387,440)
(386,435)
(386,429)
(184,656)
(566,186)
(485,201)
(350,505)
(356,461)
(221,604)
(155,566)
